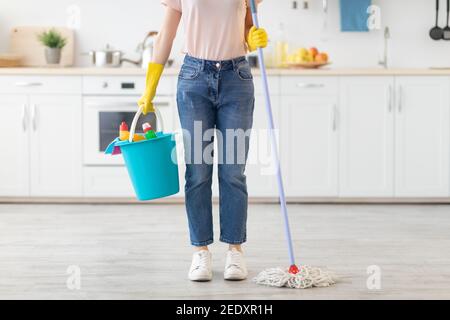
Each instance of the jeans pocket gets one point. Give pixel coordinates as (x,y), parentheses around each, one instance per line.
(188,72)
(244,72)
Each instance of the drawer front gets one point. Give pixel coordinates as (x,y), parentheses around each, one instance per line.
(298,85)
(107,182)
(40,84)
(122,85)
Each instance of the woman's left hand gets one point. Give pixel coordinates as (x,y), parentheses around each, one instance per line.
(257,38)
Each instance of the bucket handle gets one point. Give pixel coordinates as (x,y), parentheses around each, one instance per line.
(136,118)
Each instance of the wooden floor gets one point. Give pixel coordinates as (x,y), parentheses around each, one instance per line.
(142,251)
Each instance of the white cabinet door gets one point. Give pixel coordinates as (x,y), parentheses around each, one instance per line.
(422,136)
(366,155)
(56,160)
(14,159)
(260,170)
(309,141)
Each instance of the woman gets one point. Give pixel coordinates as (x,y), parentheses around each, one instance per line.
(215,91)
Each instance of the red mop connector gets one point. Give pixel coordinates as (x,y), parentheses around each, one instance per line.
(293,269)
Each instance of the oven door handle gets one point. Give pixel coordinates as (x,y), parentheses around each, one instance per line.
(136,118)
(117,105)
(114,105)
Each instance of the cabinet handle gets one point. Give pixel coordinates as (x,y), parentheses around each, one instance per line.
(24,117)
(335,112)
(310,85)
(27,84)
(400,99)
(390,99)
(33,117)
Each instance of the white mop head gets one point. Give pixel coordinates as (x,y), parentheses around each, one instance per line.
(307,277)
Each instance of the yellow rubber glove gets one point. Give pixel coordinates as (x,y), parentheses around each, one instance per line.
(154,72)
(256,38)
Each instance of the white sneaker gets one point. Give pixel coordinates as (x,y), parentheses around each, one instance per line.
(235,267)
(201,269)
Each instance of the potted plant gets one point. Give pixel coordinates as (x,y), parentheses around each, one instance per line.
(53,42)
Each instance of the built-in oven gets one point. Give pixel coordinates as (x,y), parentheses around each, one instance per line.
(102,116)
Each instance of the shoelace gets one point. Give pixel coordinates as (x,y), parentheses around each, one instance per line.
(203,260)
(236,259)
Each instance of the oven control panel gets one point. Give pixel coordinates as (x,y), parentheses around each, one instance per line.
(124,85)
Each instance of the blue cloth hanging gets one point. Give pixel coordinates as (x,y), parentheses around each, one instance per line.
(354,15)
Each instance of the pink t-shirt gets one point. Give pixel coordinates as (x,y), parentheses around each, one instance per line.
(214,29)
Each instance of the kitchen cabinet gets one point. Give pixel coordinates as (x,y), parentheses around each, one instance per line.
(42,120)
(107,182)
(394,136)
(260,170)
(366,146)
(422,136)
(55,145)
(347,136)
(309,146)
(14,163)
(309,136)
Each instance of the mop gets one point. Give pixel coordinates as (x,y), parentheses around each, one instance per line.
(303,276)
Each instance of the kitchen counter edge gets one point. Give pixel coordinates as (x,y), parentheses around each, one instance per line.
(80,71)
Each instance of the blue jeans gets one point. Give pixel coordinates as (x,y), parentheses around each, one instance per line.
(215,96)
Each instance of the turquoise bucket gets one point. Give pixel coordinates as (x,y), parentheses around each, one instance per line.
(151,164)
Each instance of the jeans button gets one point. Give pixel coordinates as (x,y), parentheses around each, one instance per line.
(218,65)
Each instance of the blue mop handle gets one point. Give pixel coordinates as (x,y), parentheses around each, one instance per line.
(273,139)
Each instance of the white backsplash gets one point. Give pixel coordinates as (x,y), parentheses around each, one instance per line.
(123,24)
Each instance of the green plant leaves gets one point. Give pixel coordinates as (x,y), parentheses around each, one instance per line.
(52,39)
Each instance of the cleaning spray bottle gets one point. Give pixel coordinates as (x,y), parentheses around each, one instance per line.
(124,134)
(148,131)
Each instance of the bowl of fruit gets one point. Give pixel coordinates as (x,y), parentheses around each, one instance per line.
(308,59)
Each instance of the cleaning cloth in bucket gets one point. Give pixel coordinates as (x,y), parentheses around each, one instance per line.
(112,148)
(354,15)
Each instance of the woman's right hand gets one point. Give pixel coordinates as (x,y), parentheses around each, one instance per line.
(154,72)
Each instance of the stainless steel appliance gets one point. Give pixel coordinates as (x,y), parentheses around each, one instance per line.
(109,58)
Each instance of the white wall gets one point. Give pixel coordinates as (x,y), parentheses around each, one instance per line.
(124,23)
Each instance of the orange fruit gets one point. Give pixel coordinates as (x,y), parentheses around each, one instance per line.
(321,57)
(313,52)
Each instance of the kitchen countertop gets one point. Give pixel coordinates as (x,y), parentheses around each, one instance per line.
(86,71)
